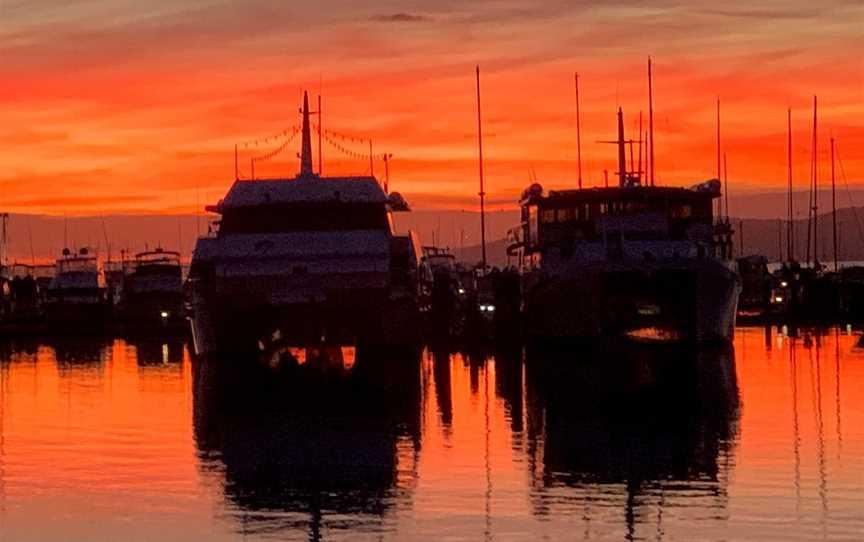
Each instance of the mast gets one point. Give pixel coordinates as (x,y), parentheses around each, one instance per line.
(815,160)
(726,186)
(639,165)
(650,123)
(622,160)
(719,171)
(834,207)
(790,224)
(482,192)
(779,239)
(4,223)
(236,165)
(306,149)
(320,131)
(578,135)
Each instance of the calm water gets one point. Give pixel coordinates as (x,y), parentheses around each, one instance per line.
(124,441)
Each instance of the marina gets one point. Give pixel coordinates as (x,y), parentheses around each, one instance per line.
(494,271)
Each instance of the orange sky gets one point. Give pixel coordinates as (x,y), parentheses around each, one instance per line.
(131,106)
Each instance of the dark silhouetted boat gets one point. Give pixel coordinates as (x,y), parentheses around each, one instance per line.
(638,260)
(153,289)
(77,295)
(302,260)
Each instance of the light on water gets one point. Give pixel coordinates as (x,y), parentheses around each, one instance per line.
(137,441)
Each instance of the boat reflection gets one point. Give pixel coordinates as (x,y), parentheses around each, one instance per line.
(307,449)
(76,352)
(158,351)
(652,419)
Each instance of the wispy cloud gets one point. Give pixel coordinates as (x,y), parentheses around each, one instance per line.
(401,18)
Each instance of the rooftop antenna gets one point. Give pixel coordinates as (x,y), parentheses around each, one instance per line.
(578,135)
(651,122)
(790,224)
(834,207)
(306,148)
(482,192)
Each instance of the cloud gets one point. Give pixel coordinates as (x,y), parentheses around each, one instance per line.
(401,18)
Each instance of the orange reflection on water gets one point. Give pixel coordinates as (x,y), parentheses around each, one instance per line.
(103,439)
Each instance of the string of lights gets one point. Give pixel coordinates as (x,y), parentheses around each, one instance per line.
(294,130)
(275,151)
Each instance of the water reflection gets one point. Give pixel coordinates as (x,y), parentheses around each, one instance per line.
(306,450)
(609,443)
(644,419)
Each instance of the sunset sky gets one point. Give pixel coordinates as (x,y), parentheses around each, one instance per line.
(136,106)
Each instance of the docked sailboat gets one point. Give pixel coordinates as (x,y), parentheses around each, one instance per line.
(77,295)
(630,260)
(304,260)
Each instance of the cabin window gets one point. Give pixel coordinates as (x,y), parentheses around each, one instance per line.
(604,208)
(682,211)
(532,223)
(547,216)
(584,212)
(565,214)
(636,207)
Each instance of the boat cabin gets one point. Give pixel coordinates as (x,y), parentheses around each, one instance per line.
(616,223)
(306,204)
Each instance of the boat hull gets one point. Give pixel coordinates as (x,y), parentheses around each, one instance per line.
(685,300)
(226,326)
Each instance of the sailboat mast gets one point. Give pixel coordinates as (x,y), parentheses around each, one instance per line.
(320,135)
(639,165)
(622,160)
(578,135)
(815,186)
(651,122)
(726,185)
(482,192)
(834,207)
(790,224)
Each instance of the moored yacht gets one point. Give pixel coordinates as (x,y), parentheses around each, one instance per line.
(304,260)
(153,289)
(630,260)
(77,295)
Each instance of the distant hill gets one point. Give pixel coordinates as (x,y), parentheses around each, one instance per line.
(759,236)
(768,205)
(42,237)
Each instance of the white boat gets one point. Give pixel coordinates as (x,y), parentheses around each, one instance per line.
(303,260)
(634,260)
